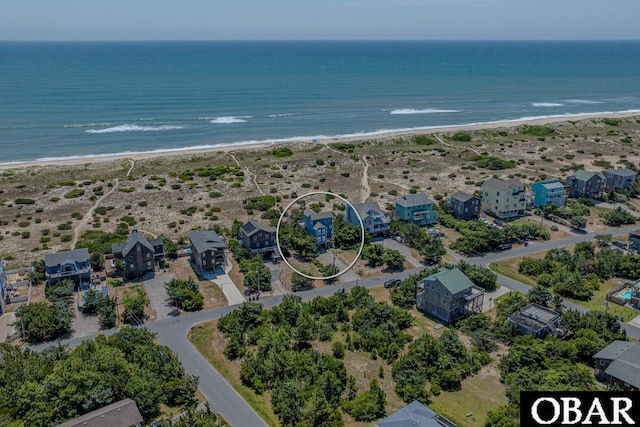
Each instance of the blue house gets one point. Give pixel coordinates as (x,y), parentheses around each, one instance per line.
(417,208)
(319,225)
(548,192)
(73,265)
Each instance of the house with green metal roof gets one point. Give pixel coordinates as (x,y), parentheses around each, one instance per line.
(449,295)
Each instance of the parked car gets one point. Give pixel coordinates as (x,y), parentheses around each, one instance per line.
(619,244)
(505,246)
(498,222)
(391,283)
(435,232)
(398,239)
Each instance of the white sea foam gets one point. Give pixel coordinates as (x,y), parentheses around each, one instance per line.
(378,132)
(546,104)
(87,125)
(423,111)
(281,115)
(134,128)
(582,101)
(230,119)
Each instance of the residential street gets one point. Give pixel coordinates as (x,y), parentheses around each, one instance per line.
(221,396)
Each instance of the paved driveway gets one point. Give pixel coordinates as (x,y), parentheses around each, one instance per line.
(403,249)
(327,259)
(229,289)
(156,292)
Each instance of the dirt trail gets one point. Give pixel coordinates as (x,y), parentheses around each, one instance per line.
(248,172)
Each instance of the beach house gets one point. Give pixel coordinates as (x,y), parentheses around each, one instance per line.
(503,199)
(619,179)
(373,219)
(258,237)
(207,250)
(319,225)
(415,414)
(618,364)
(449,295)
(416,208)
(537,321)
(464,206)
(139,254)
(586,184)
(548,192)
(73,265)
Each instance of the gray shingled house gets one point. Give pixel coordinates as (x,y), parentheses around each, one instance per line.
(258,238)
(73,265)
(415,414)
(464,206)
(138,253)
(537,321)
(619,179)
(586,184)
(373,218)
(449,295)
(123,413)
(207,250)
(618,364)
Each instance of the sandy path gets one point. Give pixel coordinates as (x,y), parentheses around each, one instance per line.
(454,147)
(365,179)
(248,172)
(89,214)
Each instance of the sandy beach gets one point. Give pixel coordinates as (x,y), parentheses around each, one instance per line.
(361,137)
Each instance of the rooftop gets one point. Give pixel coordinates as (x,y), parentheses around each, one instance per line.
(550,184)
(626,361)
(206,240)
(453,280)
(584,175)
(414,414)
(67,257)
(123,413)
(417,199)
(535,317)
(252,227)
(315,216)
(462,196)
(503,184)
(621,172)
(131,242)
(364,209)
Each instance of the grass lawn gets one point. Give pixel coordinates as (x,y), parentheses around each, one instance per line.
(509,268)
(597,302)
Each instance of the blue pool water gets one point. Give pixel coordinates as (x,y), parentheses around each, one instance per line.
(626,294)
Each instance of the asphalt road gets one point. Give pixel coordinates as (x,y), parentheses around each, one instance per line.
(225,400)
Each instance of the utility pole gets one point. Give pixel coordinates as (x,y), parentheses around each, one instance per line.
(258,277)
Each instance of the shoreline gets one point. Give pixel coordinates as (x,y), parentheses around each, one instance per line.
(376,135)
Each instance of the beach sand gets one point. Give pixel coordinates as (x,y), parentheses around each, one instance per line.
(373,136)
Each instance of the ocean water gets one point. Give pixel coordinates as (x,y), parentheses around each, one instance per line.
(66,100)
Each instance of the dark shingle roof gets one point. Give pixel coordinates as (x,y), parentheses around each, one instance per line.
(583,175)
(123,413)
(417,199)
(132,240)
(462,196)
(621,172)
(414,414)
(364,208)
(67,257)
(251,227)
(206,240)
(315,216)
(626,361)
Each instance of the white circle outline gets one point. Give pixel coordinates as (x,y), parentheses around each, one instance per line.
(361,229)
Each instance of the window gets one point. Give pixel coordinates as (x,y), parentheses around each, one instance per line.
(444,301)
(203,255)
(602,363)
(626,385)
(148,255)
(204,262)
(447,293)
(131,266)
(148,263)
(130,258)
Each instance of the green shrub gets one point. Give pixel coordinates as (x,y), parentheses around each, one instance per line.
(281,152)
(24,201)
(462,137)
(74,194)
(537,130)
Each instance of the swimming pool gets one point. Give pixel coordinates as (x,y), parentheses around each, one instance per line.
(626,294)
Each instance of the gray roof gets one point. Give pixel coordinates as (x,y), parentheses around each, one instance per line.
(206,241)
(535,317)
(131,242)
(252,227)
(319,226)
(67,257)
(583,175)
(364,208)
(503,184)
(551,184)
(621,172)
(453,280)
(123,413)
(626,361)
(614,350)
(417,199)
(414,414)
(315,216)
(462,196)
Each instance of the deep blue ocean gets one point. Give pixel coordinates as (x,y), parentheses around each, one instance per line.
(61,100)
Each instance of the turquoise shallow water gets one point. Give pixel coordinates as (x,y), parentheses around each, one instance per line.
(62,100)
